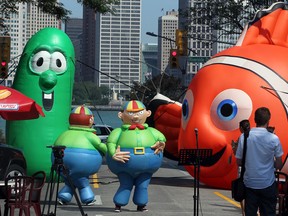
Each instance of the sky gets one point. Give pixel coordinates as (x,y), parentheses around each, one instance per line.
(151,11)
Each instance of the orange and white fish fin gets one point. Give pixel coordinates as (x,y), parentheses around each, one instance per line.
(269,26)
(166,117)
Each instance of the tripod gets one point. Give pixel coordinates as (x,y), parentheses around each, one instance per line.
(194,157)
(58,167)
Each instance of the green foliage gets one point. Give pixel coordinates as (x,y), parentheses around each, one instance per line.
(90,93)
(101,6)
(9,7)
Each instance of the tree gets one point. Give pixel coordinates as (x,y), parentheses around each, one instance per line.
(169,86)
(8,7)
(229,16)
(90,93)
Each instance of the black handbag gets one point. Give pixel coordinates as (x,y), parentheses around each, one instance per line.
(238,188)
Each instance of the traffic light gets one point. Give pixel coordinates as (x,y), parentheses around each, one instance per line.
(181,42)
(173,59)
(4,69)
(4,55)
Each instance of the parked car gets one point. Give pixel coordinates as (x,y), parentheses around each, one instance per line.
(103,131)
(12,163)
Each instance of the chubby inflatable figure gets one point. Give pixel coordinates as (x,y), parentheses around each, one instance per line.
(135,152)
(228,89)
(46,74)
(82,155)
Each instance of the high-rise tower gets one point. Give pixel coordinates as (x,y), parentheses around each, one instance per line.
(74,29)
(88,52)
(117,42)
(167,26)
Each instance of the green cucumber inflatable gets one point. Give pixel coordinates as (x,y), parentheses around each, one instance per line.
(46,74)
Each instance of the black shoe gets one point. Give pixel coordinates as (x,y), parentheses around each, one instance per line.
(117,208)
(142,208)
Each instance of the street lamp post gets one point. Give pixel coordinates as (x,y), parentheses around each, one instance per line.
(166,38)
(155,35)
(160,36)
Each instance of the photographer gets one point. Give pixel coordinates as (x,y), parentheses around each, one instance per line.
(263,155)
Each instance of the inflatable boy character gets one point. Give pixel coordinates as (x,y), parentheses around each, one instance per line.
(82,155)
(135,152)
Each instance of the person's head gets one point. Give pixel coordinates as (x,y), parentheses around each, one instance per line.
(262,117)
(81,116)
(134,112)
(244,125)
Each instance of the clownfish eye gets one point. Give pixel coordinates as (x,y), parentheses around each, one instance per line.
(187,107)
(229,108)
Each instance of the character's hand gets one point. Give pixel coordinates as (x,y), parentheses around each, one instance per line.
(159,147)
(121,156)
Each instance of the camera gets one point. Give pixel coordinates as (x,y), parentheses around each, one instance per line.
(271,129)
(58,153)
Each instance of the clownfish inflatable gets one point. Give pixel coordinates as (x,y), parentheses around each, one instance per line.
(228,89)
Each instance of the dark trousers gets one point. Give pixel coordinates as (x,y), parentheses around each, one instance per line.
(264,199)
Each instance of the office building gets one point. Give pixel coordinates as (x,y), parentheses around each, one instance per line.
(21,26)
(87,65)
(74,29)
(223,41)
(199,40)
(167,26)
(149,61)
(117,42)
(204,41)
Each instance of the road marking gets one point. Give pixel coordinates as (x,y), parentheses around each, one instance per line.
(184,172)
(98,200)
(237,204)
(95,181)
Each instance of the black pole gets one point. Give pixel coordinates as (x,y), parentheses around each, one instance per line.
(195,190)
(196,178)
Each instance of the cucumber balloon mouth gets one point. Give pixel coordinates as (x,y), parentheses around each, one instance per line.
(48,100)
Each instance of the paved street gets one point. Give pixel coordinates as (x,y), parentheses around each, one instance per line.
(170,193)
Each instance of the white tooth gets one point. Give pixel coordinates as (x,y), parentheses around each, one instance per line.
(47,96)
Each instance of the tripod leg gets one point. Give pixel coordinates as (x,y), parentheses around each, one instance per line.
(66,174)
(51,186)
(50,191)
(57,190)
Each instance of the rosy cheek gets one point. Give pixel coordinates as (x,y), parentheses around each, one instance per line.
(126,119)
